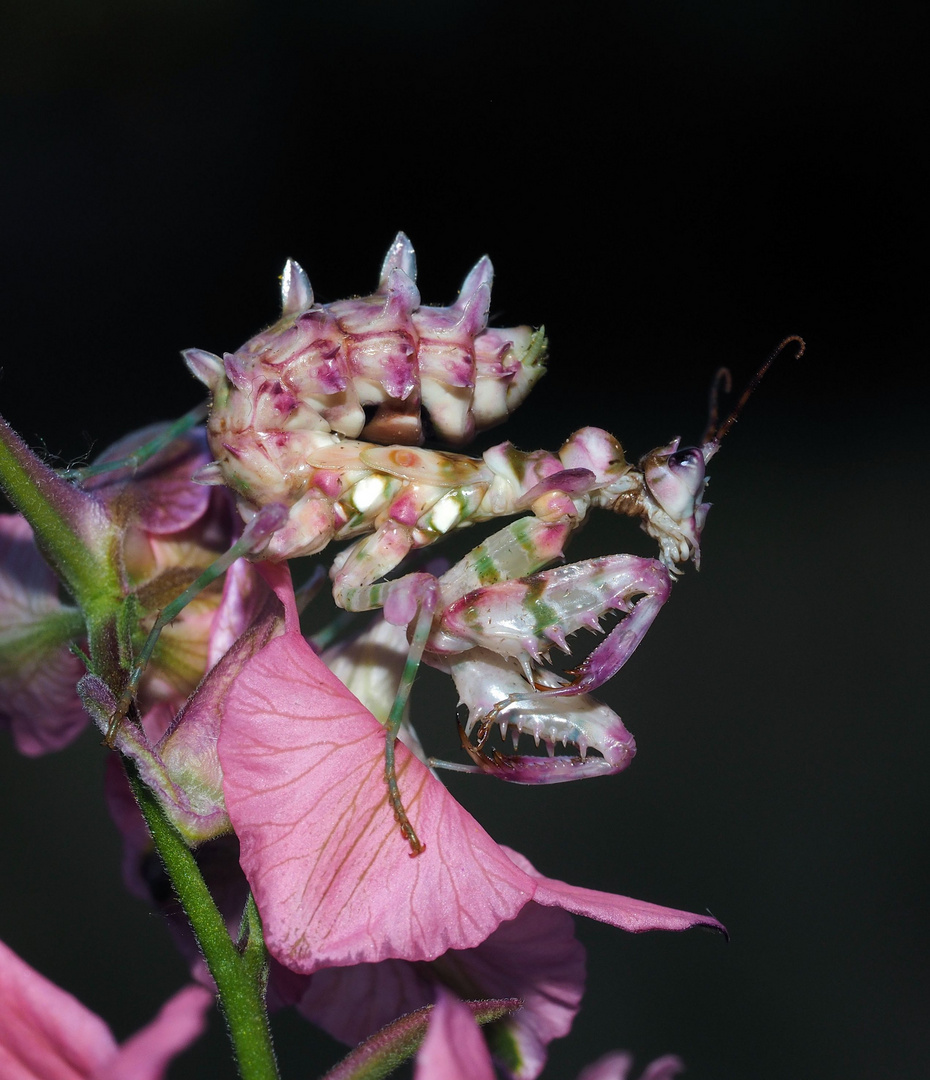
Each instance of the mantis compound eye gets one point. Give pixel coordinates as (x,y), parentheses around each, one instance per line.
(676,479)
(688,462)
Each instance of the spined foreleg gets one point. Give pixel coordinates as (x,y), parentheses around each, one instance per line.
(522,619)
(492,641)
(497,695)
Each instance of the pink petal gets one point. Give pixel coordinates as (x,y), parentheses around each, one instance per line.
(534,957)
(27,584)
(45,1033)
(623,912)
(454,1048)
(159,495)
(244,597)
(188,749)
(351,1003)
(38,701)
(664,1068)
(303,765)
(617,1064)
(40,705)
(613,1066)
(303,779)
(146,1055)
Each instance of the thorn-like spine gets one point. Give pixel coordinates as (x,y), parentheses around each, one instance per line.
(210,475)
(296,291)
(206,366)
(400,256)
(403,297)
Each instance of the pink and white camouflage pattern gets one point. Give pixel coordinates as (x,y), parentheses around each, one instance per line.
(371,366)
(283,416)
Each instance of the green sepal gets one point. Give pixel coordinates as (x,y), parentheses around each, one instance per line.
(252,944)
(72,528)
(503,1044)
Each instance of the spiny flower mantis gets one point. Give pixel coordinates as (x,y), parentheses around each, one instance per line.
(314,425)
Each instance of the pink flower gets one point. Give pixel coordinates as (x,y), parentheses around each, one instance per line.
(46,1034)
(617,1064)
(535,958)
(303,765)
(169,530)
(454,1049)
(354,925)
(38,673)
(175,752)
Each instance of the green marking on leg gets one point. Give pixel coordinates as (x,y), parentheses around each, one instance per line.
(421,632)
(486,570)
(544,614)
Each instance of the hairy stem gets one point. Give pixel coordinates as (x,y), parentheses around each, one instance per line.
(239,976)
(71,528)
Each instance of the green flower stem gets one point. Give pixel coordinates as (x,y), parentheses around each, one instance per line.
(240,976)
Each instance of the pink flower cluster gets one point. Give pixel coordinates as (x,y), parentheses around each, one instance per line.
(274,748)
(46,1034)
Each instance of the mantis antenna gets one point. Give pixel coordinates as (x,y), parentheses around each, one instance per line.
(715,434)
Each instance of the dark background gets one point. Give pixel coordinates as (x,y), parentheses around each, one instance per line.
(669,187)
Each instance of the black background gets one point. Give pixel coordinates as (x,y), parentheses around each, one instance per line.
(668,187)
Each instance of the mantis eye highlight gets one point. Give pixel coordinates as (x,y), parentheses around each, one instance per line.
(689,459)
(676,480)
